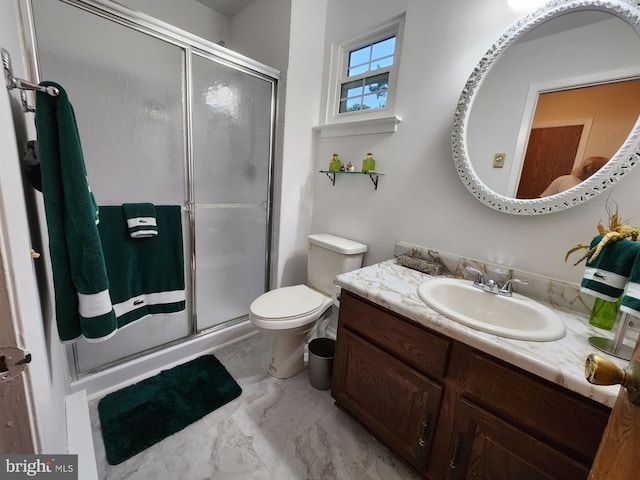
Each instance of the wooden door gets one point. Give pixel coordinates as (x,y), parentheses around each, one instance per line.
(551,152)
(394,401)
(617,457)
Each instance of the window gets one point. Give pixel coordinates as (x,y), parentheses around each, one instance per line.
(367,73)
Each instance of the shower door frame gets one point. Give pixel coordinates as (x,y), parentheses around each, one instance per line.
(191,44)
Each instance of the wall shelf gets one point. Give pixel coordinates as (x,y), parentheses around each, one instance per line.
(359,126)
(372,175)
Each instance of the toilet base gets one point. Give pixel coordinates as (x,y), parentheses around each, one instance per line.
(287,354)
(288,344)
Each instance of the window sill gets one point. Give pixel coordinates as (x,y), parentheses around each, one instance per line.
(359,127)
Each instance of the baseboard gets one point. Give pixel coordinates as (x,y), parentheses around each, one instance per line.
(331,332)
(79,437)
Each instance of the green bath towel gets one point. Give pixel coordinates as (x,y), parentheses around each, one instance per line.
(83,305)
(146,275)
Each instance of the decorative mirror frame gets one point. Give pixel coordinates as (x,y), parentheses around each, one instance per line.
(627,156)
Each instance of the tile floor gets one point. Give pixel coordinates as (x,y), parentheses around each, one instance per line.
(275,430)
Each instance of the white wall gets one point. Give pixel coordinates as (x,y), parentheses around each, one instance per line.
(261,31)
(294,196)
(188,15)
(421,199)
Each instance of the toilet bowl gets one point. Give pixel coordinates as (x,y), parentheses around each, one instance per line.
(289,314)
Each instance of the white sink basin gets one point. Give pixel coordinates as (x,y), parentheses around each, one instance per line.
(515,317)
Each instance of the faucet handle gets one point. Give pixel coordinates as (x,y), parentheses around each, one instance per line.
(479,281)
(507,288)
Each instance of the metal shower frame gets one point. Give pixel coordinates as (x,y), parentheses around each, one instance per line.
(191,44)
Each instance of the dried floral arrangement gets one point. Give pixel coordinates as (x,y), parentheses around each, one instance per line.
(617,230)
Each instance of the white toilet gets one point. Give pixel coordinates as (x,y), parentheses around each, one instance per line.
(288,314)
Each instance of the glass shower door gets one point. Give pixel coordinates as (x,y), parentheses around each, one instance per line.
(232,119)
(167,119)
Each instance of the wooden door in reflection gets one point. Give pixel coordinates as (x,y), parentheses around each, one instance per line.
(551,152)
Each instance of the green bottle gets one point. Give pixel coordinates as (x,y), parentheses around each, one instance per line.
(369,164)
(334,164)
(604,313)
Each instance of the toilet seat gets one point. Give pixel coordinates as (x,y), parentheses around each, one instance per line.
(288,307)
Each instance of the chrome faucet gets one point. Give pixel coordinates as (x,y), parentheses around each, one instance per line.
(491,285)
(479,280)
(507,288)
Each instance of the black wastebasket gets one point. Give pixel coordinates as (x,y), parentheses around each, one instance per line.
(321,354)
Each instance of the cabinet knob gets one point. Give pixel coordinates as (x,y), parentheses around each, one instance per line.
(601,371)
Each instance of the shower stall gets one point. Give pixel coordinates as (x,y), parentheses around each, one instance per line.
(167,118)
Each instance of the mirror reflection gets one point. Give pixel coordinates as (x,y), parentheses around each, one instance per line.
(556,105)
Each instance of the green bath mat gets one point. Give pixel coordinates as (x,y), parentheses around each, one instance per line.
(140,415)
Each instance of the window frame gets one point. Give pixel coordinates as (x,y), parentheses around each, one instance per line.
(340,76)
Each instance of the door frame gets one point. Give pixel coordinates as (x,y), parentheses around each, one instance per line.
(18,423)
(24,279)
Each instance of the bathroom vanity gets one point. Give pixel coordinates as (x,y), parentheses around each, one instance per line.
(458,403)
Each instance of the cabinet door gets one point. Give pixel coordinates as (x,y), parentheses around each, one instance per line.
(485,447)
(394,401)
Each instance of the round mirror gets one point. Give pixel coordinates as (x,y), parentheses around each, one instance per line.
(550,116)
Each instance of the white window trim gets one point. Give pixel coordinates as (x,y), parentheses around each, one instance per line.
(339,61)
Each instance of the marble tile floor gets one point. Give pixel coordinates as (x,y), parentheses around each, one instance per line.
(276,430)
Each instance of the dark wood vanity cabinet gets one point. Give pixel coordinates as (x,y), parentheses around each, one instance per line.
(485,447)
(397,403)
(453,412)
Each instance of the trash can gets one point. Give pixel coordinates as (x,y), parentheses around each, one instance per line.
(321,354)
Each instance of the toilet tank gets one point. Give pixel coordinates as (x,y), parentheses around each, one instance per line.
(328,257)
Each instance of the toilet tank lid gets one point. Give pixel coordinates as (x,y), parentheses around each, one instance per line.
(337,244)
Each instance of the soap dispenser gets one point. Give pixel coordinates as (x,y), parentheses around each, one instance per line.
(369,163)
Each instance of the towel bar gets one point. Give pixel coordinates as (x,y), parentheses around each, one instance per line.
(13,82)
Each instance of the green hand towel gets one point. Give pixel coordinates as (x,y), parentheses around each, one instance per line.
(141,219)
(607,276)
(83,304)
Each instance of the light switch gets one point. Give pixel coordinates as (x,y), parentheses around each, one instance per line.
(498,160)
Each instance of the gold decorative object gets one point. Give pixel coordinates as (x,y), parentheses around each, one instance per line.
(618,230)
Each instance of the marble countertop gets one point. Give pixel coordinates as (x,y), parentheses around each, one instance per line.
(562,361)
